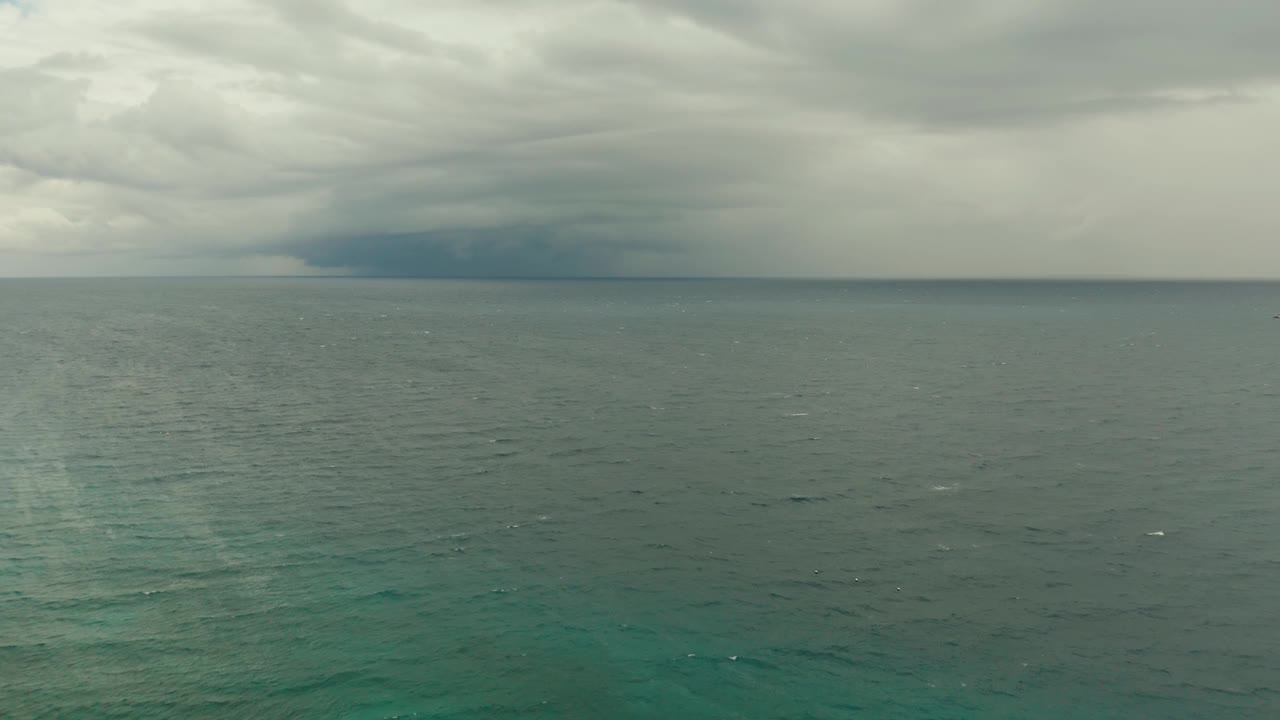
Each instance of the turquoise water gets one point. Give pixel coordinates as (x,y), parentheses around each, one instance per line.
(429,499)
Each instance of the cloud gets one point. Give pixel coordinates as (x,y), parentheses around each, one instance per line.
(999,61)
(35,100)
(507,251)
(596,137)
(72,61)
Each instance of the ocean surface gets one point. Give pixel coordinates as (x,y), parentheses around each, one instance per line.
(367,499)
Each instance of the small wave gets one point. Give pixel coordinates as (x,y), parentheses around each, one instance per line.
(807,498)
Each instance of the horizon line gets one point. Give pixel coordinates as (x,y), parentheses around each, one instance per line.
(688,278)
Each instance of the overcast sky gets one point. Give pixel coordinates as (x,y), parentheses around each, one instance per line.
(863,138)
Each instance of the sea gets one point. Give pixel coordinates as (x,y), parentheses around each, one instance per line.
(367,499)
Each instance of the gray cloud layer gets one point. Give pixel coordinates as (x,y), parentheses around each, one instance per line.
(585,137)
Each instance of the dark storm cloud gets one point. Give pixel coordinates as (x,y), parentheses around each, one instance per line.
(489,252)
(562,137)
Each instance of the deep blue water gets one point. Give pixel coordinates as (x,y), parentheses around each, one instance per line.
(375,499)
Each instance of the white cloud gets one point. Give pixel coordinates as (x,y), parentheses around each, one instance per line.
(980,137)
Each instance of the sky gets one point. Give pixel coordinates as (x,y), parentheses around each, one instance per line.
(831,138)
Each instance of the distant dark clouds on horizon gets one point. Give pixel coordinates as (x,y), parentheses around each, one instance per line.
(667,137)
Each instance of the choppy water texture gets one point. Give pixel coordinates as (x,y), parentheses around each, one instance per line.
(429,499)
